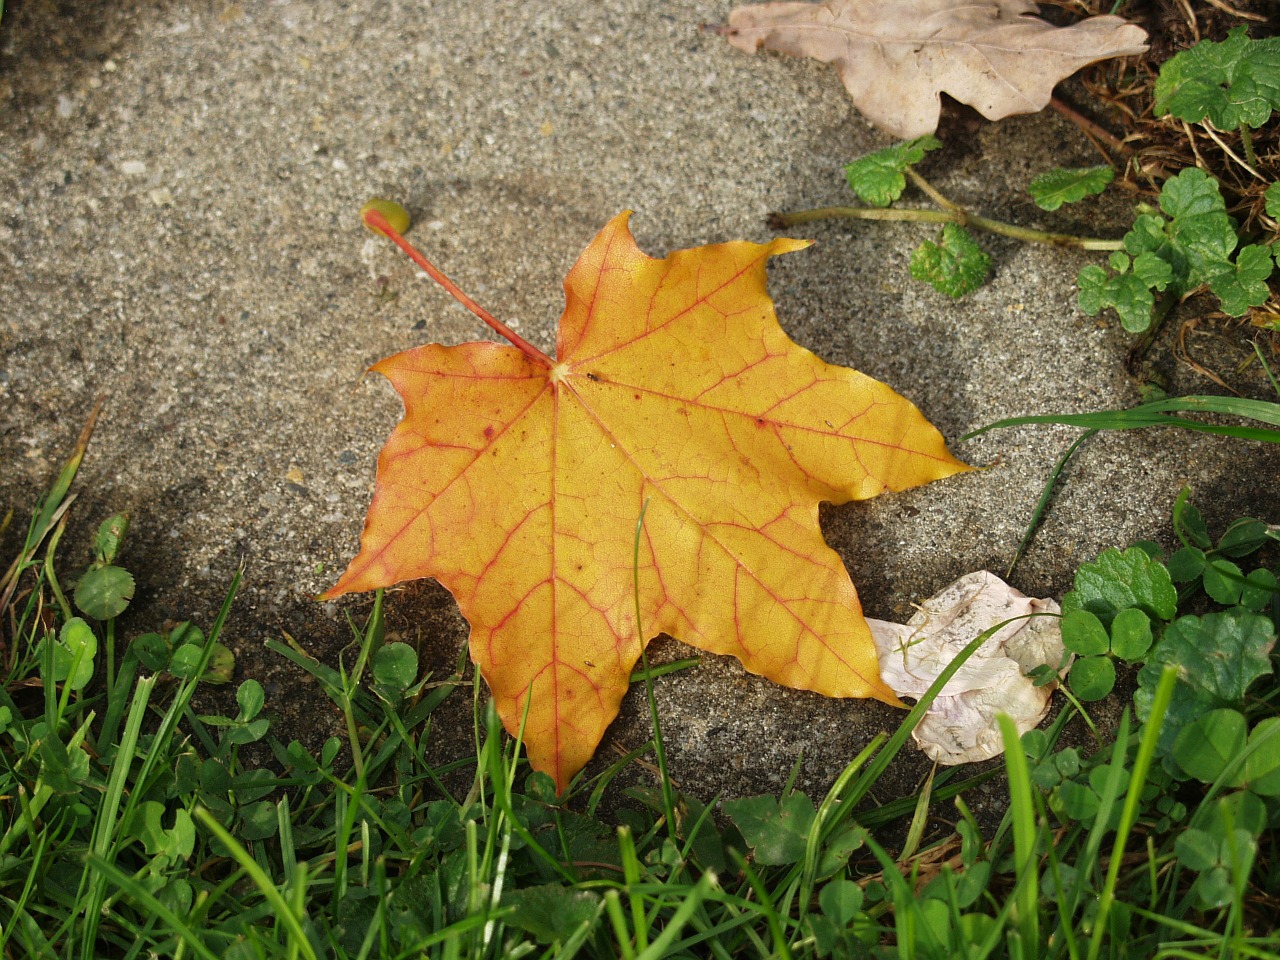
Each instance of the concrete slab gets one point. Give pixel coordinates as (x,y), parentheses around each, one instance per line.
(179,184)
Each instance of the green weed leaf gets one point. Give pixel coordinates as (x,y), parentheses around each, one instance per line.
(1262,765)
(777,832)
(175,843)
(1244,537)
(1244,285)
(1117,581)
(258,821)
(1092,678)
(1131,634)
(878,177)
(111,533)
(395,667)
(1205,747)
(955,266)
(1186,564)
(1258,589)
(841,900)
(1196,240)
(1083,633)
(1223,581)
(73,654)
(1217,657)
(1233,82)
(152,651)
(551,912)
(1196,849)
(1271,199)
(104,592)
(1053,188)
(1130,294)
(250,698)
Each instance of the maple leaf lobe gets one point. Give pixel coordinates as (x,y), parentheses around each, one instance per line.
(517,485)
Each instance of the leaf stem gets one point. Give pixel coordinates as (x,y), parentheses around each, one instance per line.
(957,215)
(379,223)
(932,191)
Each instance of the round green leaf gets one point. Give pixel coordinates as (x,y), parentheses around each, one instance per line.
(222,665)
(1083,633)
(1118,580)
(1077,802)
(1217,657)
(104,592)
(250,698)
(841,900)
(1262,765)
(1131,634)
(184,661)
(249,732)
(1258,589)
(395,667)
(1243,809)
(1196,849)
(73,653)
(1222,581)
(1186,564)
(258,821)
(1204,747)
(152,651)
(1092,678)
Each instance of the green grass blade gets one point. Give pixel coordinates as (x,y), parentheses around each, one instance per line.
(284,911)
(1042,505)
(688,906)
(877,767)
(1162,413)
(107,824)
(1129,814)
(1025,838)
(145,900)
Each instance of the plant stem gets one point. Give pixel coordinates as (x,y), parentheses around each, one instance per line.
(1246,141)
(956,216)
(379,223)
(933,193)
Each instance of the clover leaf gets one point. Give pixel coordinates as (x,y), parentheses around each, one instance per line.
(1217,657)
(1117,581)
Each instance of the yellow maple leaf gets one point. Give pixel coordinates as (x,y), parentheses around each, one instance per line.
(516,481)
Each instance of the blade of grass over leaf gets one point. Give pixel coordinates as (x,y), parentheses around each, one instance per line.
(1128,816)
(1025,837)
(876,768)
(285,912)
(1042,504)
(1161,413)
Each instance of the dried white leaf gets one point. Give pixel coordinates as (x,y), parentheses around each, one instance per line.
(896,56)
(960,725)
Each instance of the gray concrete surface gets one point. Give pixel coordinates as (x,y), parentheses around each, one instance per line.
(179,184)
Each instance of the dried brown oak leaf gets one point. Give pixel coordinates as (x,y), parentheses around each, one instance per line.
(897,56)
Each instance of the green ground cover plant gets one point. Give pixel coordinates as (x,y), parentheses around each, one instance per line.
(136,828)
(1188,240)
